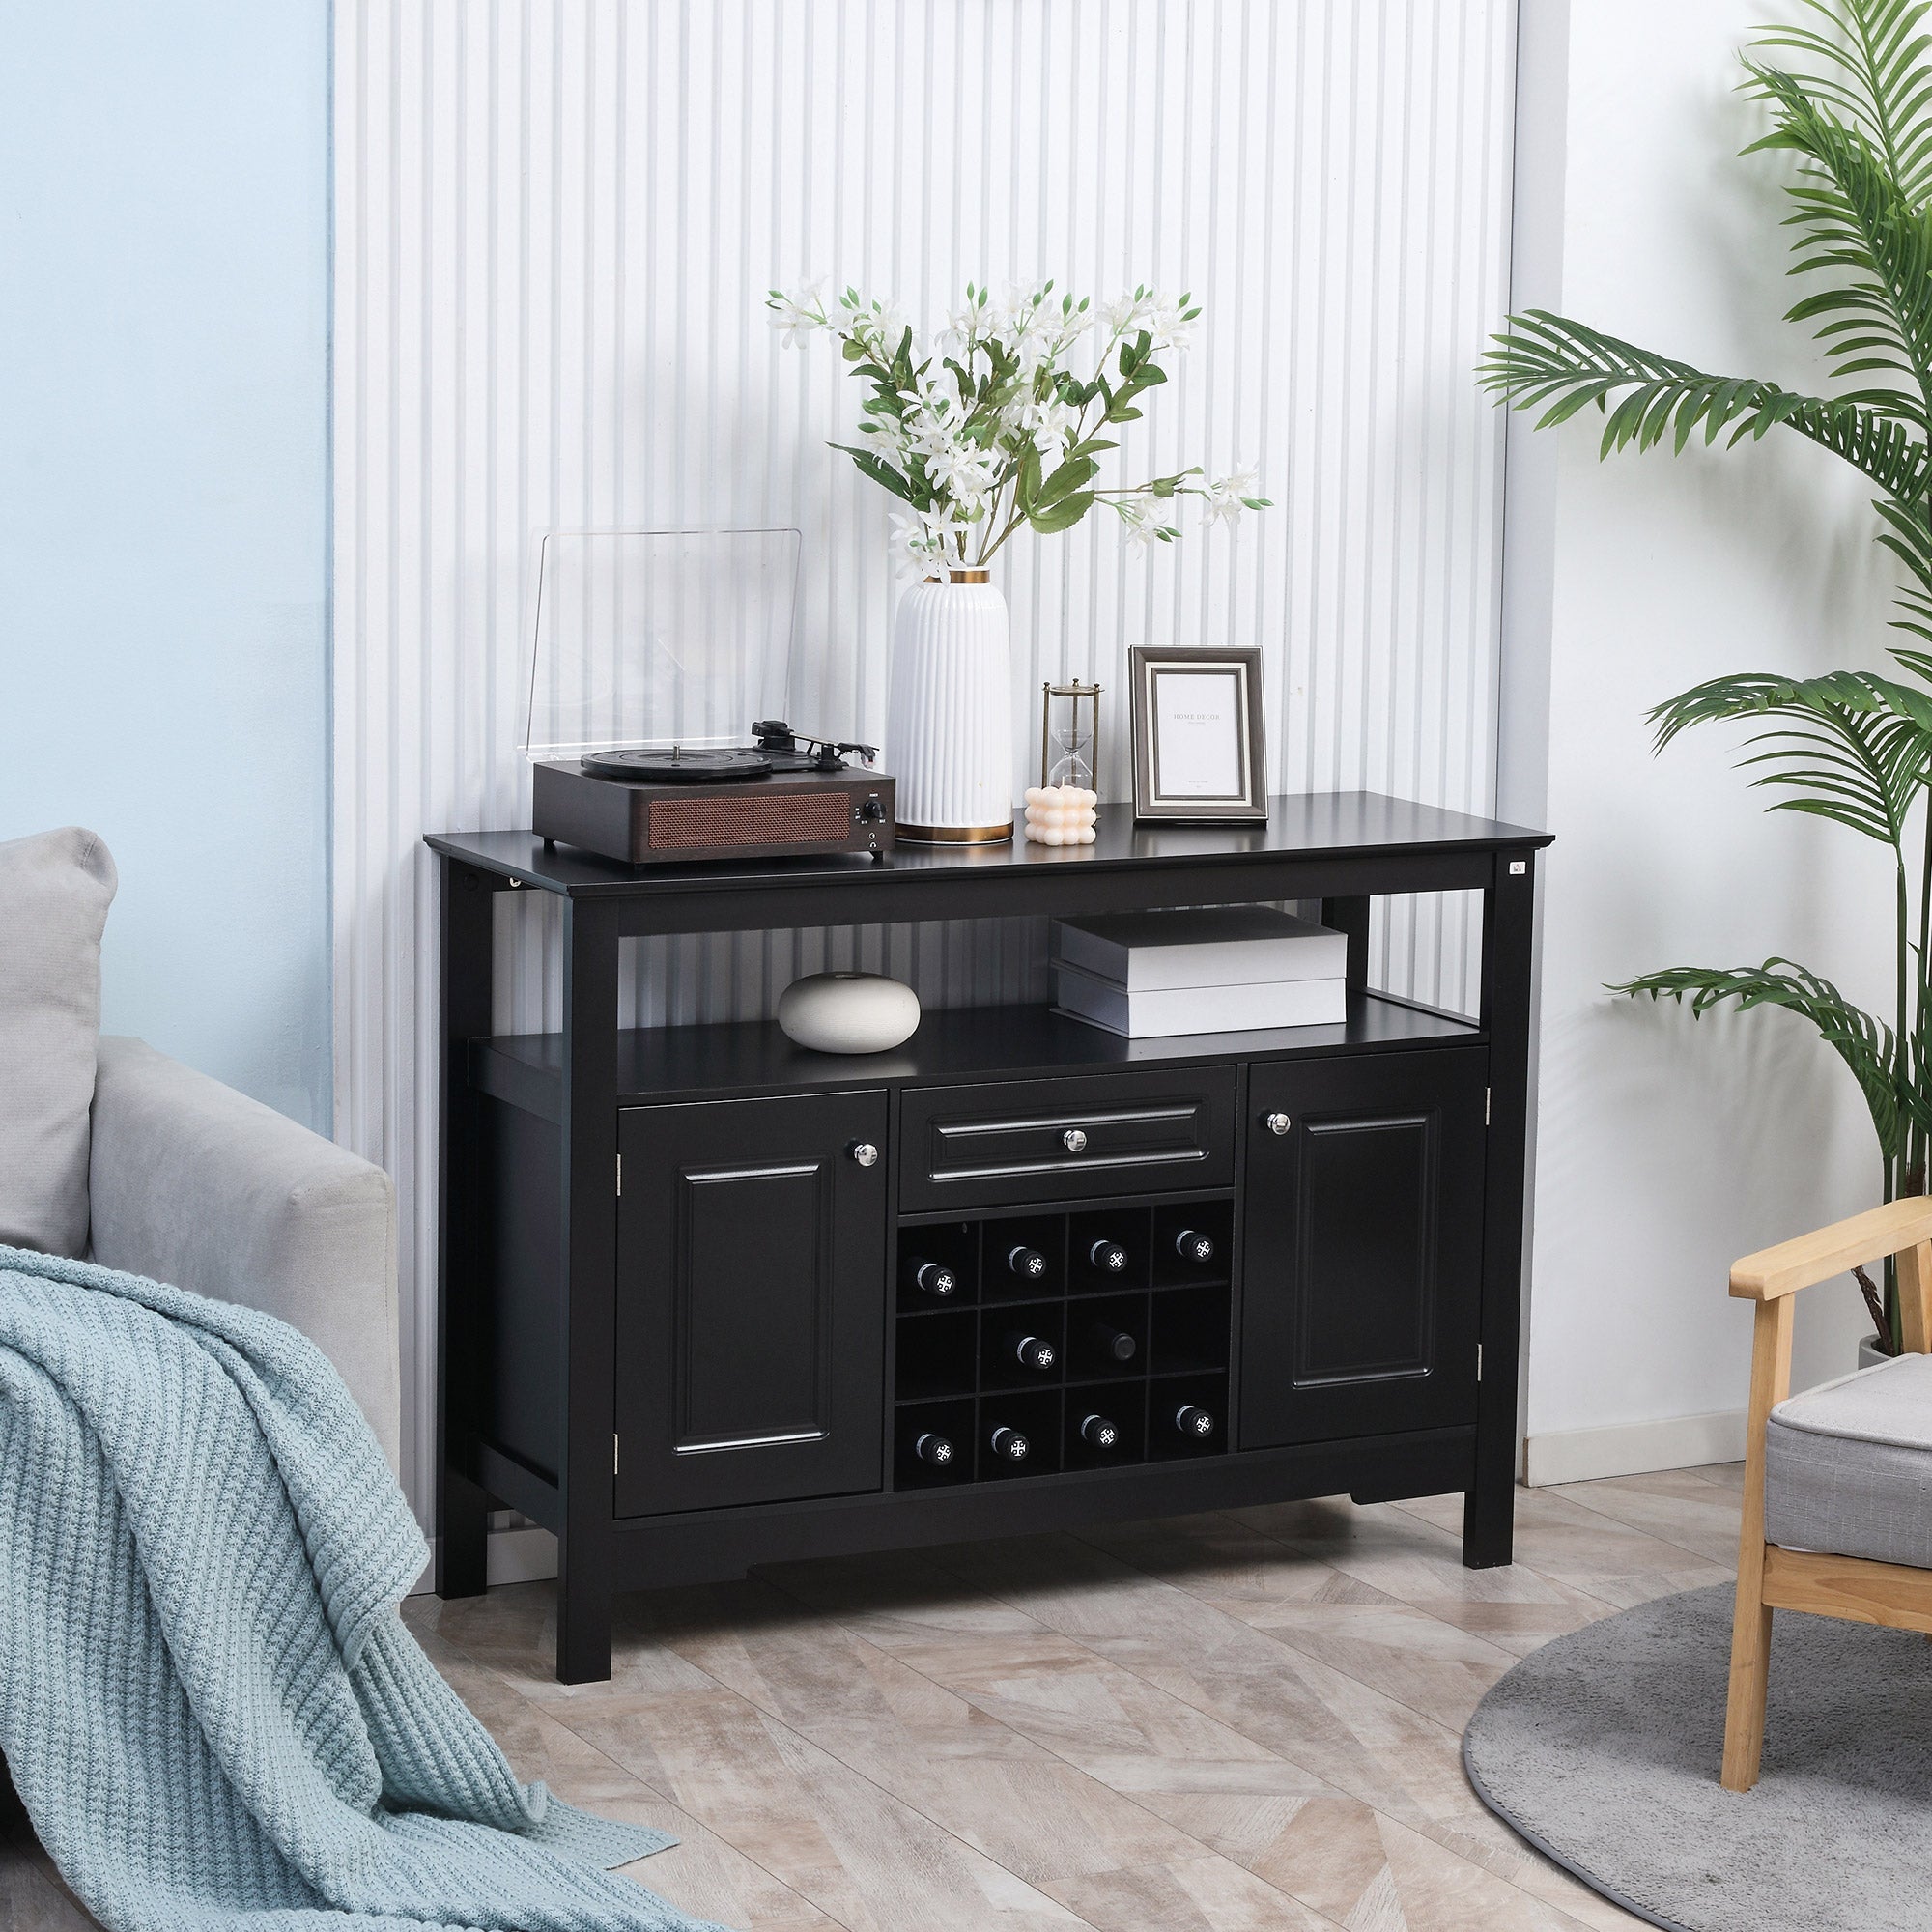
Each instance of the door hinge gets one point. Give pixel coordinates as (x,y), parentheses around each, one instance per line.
(1479,1361)
(1485,1123)
(617,1446)
(620,1171)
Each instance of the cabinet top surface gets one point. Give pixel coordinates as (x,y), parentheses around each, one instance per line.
(1313,825)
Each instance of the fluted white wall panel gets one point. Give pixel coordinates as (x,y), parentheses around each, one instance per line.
(556,220)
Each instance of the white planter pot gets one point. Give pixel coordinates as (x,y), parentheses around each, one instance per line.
(950,724)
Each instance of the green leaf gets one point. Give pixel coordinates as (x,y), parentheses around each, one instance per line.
(1027,492)
(1064,515)
(1075,473)
(881,472)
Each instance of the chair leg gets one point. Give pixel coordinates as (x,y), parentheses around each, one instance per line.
(1750,1678)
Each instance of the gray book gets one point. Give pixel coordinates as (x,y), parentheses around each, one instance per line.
(1201,945)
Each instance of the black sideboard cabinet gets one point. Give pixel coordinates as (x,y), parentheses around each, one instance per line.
(686,1294)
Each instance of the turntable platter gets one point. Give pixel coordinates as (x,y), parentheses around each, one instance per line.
(721,765)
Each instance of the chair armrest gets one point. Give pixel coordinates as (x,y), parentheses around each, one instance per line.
(1806,1259)
(193,1183)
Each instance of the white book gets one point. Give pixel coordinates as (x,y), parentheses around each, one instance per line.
(1202,946)
(1163,1011)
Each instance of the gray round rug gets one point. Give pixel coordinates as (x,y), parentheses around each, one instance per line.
(1601,1748)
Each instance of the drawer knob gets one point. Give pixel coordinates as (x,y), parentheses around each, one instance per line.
(1074,1140)
(864,1152)
(1278,1123)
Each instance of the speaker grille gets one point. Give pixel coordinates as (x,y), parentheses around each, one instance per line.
(786,818)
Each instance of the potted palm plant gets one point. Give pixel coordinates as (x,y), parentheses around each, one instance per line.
(1849,97)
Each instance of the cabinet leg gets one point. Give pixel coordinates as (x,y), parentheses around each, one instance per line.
(1488,1525)
(464,1568)
(582,1629)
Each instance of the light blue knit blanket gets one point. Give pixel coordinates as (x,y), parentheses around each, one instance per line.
(208,1698)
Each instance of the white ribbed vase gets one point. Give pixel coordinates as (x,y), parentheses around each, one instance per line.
(950,724)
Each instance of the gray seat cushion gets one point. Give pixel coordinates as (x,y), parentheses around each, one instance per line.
(1848,1466)
(55,889)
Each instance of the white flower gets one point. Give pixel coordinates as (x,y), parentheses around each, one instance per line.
(1139,514)
(880,328)
(1124,315)
(795,317)
(1169,324)
(962,326)
(887,436)
(962,469)
(1224,503)
(918,547)
(1048,423)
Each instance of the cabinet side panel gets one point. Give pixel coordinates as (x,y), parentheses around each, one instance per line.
(519,1409)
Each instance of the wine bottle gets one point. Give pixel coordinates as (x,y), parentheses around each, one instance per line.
(1025,1261)
(1194,1422)
(935,1449)
(1029,1351)
(1114,1344)
(933,1278)
(1192,1245)
(1107,1257)
(1008,1444)
(1101,1432)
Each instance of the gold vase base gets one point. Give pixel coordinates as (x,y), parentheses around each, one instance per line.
(953,834)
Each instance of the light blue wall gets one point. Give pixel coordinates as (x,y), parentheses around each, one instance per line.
(163,504)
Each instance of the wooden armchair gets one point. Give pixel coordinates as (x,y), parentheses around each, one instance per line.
(1843,1471)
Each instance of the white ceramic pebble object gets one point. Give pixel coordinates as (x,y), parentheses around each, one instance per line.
(848,1012)
(1061,815)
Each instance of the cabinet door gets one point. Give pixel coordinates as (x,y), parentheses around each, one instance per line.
(750,1301)
(1362,1246)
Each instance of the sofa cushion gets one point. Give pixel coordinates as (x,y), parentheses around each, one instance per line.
(1848,1466)
(55,889)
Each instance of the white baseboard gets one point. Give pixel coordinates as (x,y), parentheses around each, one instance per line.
(529,1555)
(1634,1448)
(524,1555)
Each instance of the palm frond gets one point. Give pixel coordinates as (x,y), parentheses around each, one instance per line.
(1867,65)
(1851,745)
(1907,534)
(1562,365)
(1854,224)
(1865,1043)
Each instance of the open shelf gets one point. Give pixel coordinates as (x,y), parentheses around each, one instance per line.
(953,1044)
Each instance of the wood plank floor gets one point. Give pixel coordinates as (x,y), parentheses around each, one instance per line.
(1235,1723)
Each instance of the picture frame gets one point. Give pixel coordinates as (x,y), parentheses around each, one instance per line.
(1200,751)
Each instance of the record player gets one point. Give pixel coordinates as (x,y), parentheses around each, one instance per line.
(651,648)
(784,796)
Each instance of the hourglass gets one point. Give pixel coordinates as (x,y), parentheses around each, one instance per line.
(1059,811)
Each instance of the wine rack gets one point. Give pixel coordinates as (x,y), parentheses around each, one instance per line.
(1085,1333)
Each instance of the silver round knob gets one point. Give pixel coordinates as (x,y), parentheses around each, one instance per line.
(864,1152)
(1278,1123)
(1073,1140)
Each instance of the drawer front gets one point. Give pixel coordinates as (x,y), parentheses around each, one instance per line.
(1046,1140)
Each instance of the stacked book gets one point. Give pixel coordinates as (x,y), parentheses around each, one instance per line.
(1200,969)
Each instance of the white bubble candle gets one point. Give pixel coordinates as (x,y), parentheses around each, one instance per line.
(1061,815)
